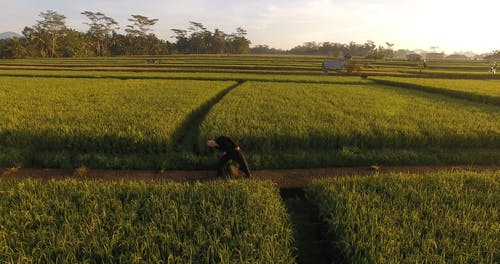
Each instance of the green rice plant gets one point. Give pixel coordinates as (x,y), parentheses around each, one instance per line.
(478,90)
(274,117)
(256,64)
(451,74)
(99,115)
(183,75)
(311,119)
(445,217)
(73,221)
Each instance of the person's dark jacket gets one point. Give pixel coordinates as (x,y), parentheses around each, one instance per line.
(231,152)
(226,144)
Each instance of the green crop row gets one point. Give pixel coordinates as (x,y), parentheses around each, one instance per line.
(188,66)
(290,159)
(174,58)
(452,74)
(208,76)
(478,90)
(281,117)
(255,64)
(105,116)
(251,58)
(153,123)
(446,217)
(449,217)
(113,222)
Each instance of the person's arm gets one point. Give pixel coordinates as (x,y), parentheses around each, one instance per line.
(212,144)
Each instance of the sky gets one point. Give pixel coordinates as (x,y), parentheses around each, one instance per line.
(446,25)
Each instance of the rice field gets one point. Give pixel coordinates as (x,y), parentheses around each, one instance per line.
(438,217)
(320,121)
(487,91)
(133,73)
(107,222)
(257,64)
(287,116)
(121,113)
(449,217)
(99,116)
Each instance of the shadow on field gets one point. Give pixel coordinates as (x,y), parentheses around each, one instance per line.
(470,96)
(186,135)
(52,140)
(309,230)
(314,244)
(57,149)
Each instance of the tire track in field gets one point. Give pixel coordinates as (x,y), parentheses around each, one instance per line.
(309,230)
(186,135)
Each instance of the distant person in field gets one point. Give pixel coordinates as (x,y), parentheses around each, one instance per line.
(425,64)
(232,152)
(494,68)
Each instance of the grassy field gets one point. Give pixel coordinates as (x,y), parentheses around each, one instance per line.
(124,113)
(487,91)
(339,121)
(290,116)
(107,117)
(259,64)
(447,217)
(182,75)
(285,113)
(102,222)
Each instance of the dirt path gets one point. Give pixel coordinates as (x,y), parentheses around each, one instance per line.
(285,179)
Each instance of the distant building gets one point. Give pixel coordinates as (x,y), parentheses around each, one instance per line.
(414,57)
(457,57)
(434,56)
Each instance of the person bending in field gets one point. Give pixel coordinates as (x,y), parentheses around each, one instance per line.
(232,152)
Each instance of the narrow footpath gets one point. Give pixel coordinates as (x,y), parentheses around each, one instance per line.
(284,179)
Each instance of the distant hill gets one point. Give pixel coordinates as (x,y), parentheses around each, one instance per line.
(6,35)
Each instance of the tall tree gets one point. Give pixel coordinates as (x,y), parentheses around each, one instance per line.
(495,55)
(368,49)
(49,29)
(76,44)
(38,39)
(141,25)
(238,42)
(389,52)
(200,38)
(182,41)
(101,28)
(219,42)
(138,32)
(13,48)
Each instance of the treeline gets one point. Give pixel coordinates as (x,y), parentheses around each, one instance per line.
(50,38)
(495,55)
(331,49)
